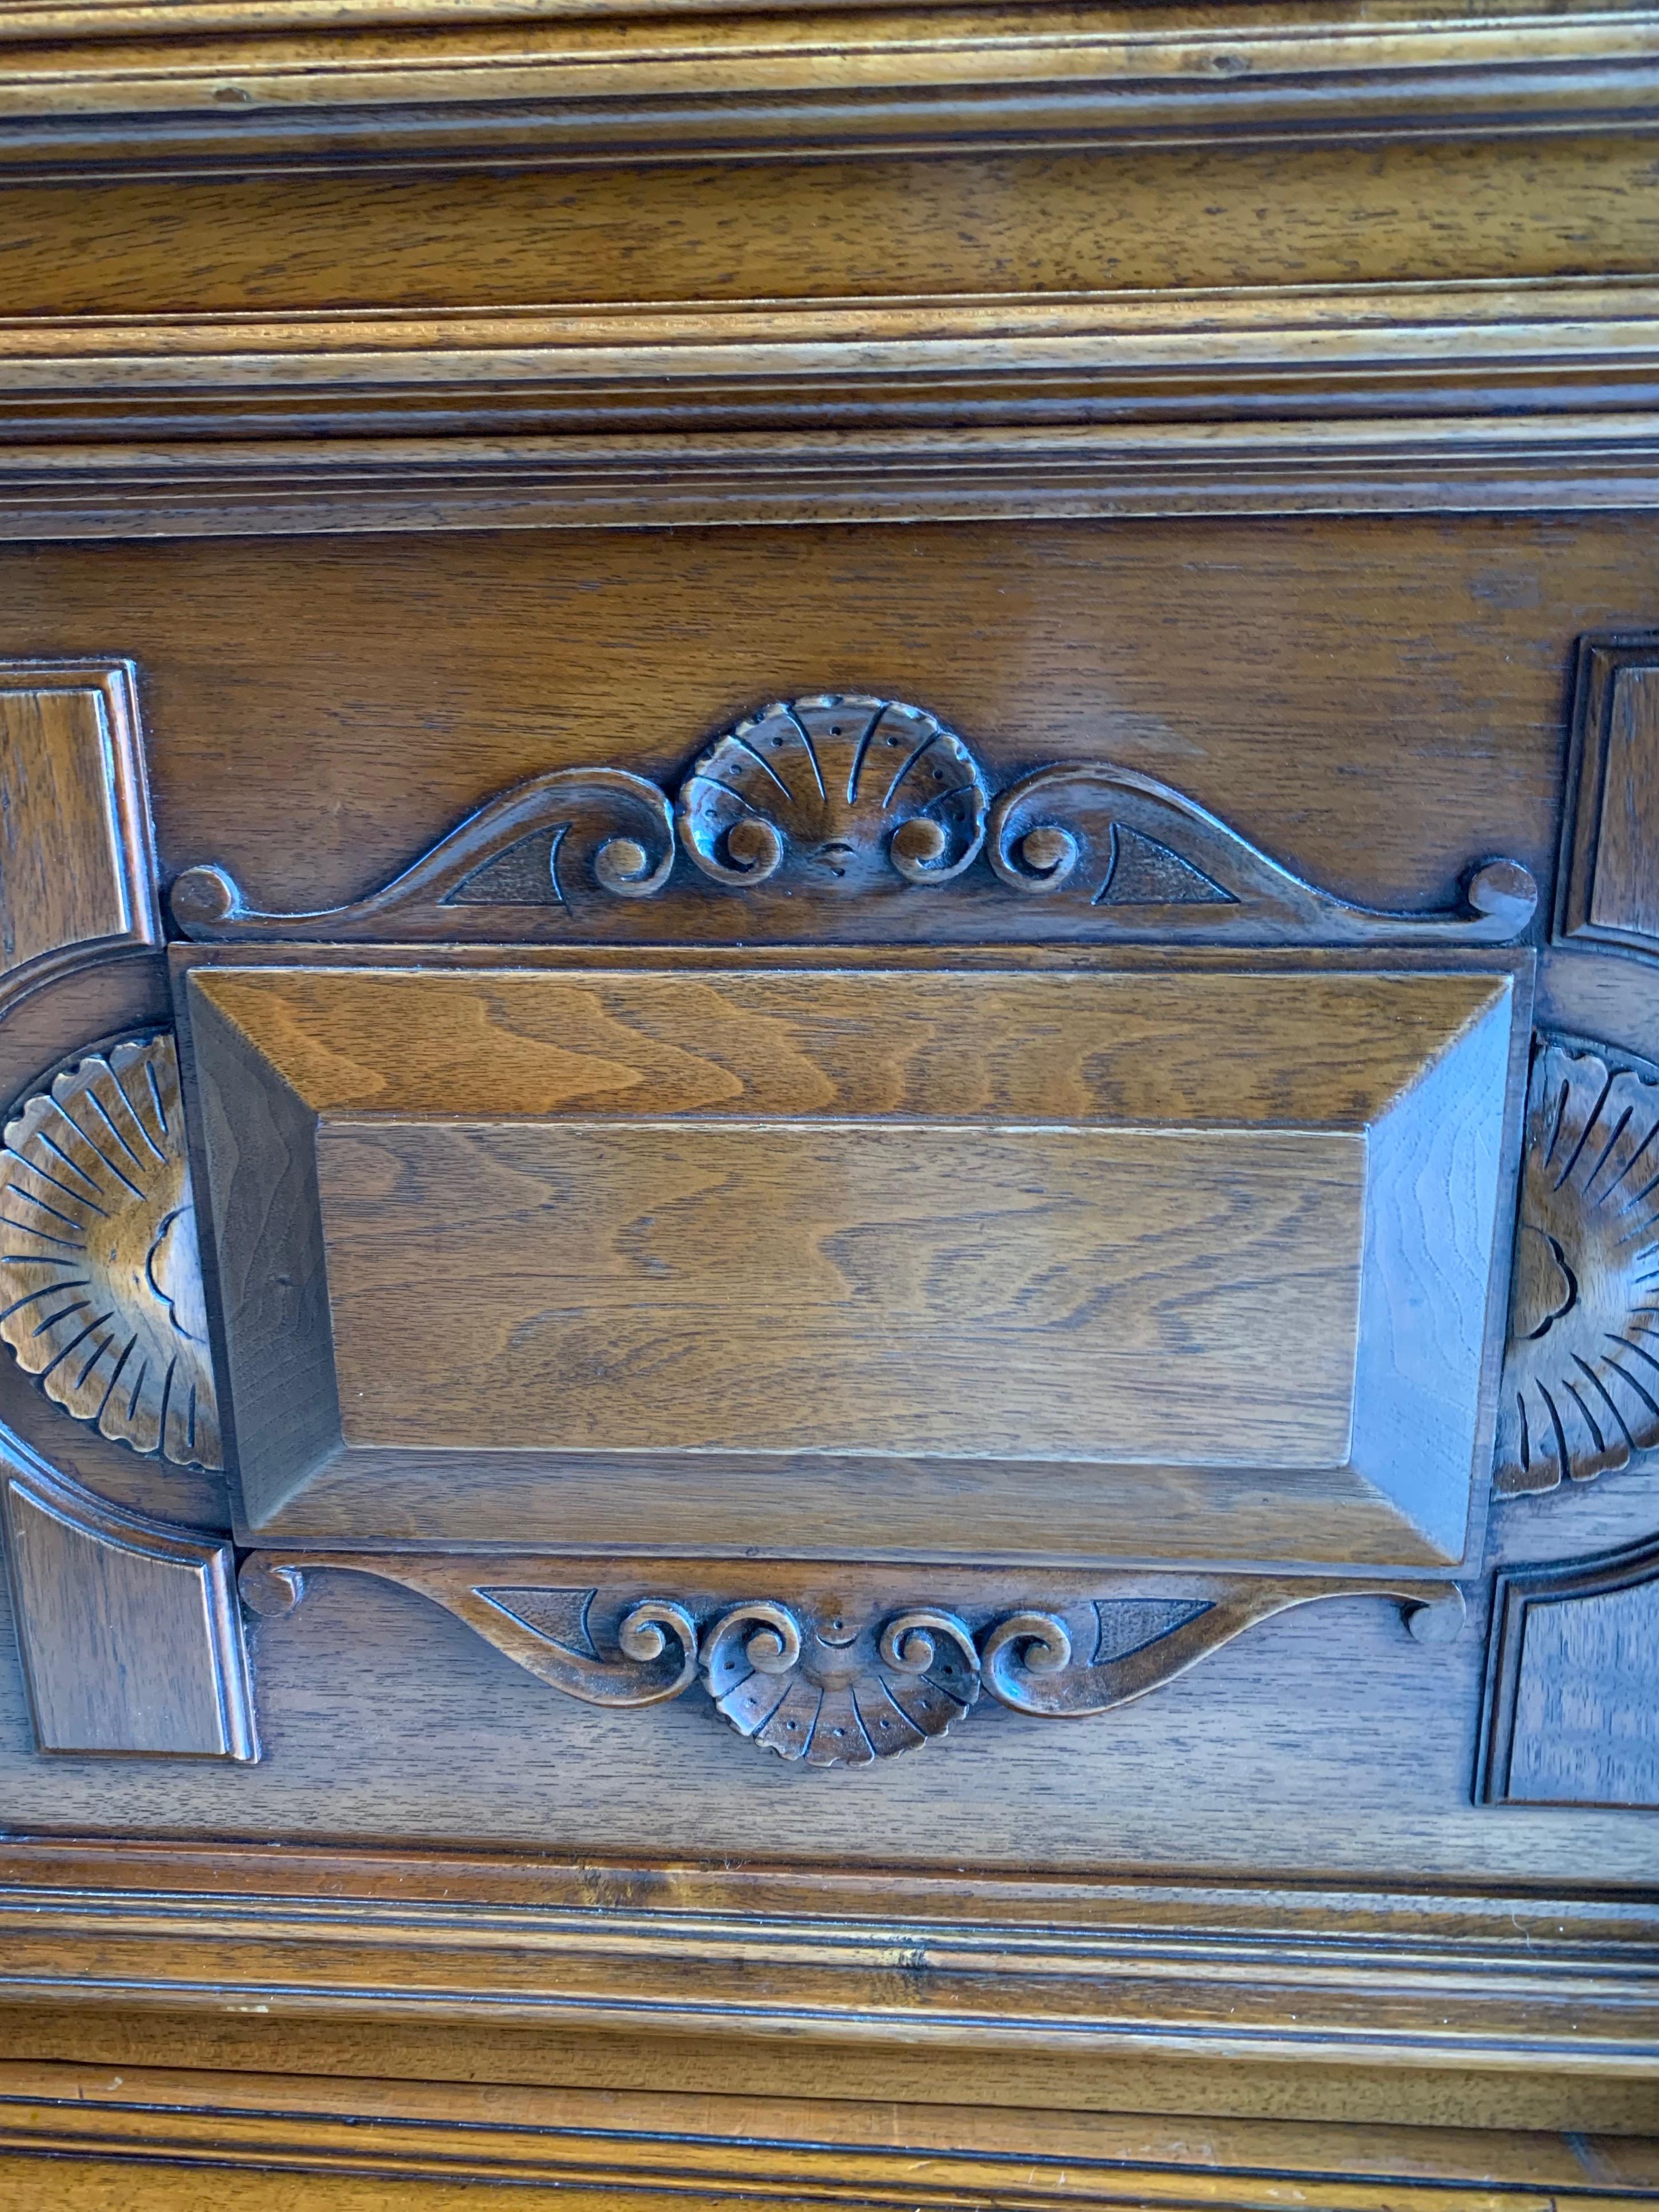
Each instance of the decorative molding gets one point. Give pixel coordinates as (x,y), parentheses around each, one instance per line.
(100,1278)
(665,2146)
(78,859)
(1608,883)
(831,1686)
(130,1632)
(1526,1977)
(404,83)
(843,794)
(1572,1714)
(1580,1389)
(1528,462)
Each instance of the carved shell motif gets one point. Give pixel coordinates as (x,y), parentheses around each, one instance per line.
(100,1281)
(852,794)
(1581,1371)
(837,1695)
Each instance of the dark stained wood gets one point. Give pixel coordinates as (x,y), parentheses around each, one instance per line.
(129,1628)
(77,867)
(752,1247)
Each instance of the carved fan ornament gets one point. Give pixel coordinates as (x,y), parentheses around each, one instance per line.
(1581,1369)
(844,794)
(101,1280)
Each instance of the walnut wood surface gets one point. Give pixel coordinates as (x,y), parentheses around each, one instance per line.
(994,1231)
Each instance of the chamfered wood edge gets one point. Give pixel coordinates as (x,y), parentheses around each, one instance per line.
(200,89)
(835,2150)
(1064,1964)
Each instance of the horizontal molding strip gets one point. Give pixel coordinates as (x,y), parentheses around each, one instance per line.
(824,2149)
(199,88)
(197,488)
(1555,1982)
(1458,398)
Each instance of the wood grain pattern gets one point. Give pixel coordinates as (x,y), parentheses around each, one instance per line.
(1570,1693)
(908,1223)
(78,861)
(130,1630)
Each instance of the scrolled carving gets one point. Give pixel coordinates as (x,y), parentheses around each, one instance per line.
(827,1687)
(846,795)
(1580,1389)
(845,791)
(101,1278)
(836,1695)
(542,844)
(1147,859)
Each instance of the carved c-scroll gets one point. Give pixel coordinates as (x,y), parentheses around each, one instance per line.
(821,1685)
(101,1280)
(1581,1369)
(1118,841)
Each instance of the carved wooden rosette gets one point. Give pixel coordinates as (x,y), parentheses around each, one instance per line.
(1581,1369)
(827,1688)
(100,1282)
(845,795)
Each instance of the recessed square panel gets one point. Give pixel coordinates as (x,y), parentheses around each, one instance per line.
(1083,1264)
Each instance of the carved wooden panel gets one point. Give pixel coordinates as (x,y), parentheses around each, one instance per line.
(1580,1391)
(1078,1263)
(130,1635)
(820,1679)
(101,1279)
(832,814)
(1608,889)
(76,866)
(1572,1694)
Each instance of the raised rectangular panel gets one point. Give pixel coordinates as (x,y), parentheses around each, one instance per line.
(1609,884)
(76,865)
(1077,1264)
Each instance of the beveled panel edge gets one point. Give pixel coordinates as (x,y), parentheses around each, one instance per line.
(1518,1979)
(83,94)
(1602,655)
